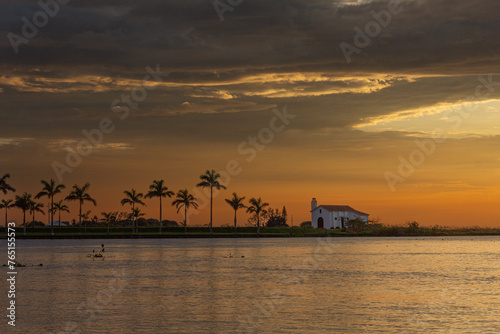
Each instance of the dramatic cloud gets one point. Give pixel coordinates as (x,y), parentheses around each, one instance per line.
(422,67)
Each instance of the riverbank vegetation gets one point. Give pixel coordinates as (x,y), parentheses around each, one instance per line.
(264,220)
(174,230)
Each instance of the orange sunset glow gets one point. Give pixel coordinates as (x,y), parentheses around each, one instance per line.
(287,106)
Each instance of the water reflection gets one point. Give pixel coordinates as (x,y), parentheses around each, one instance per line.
(358,285)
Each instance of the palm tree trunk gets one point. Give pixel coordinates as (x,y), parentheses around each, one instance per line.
(160,215)
(33,222)
(59,221)
(85,221)
(235,222)
(258,224)
(185,220)
(6,217)
(133,218)
(24,221)
(108,227)
(211,202)
(52,215)
(80,221)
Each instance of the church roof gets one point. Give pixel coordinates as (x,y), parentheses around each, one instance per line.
(333,208)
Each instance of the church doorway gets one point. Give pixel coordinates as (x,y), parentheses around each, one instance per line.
(321,223)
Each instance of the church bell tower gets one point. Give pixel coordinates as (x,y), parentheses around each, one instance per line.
(314,204)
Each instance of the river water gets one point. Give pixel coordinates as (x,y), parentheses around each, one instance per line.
(290,285)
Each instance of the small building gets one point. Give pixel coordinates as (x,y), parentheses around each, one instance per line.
(334,216)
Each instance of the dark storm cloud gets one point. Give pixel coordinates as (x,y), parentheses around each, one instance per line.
(187,35)
(230,74)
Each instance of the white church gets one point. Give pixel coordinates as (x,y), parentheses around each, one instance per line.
(334,216)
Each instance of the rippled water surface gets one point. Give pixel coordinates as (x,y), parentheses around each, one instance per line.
(296,285)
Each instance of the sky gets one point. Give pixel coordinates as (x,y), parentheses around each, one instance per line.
(391,107)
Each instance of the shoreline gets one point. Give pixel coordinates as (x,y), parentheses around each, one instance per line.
(238,236)
(247,232)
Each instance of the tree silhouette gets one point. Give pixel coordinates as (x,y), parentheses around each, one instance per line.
(257,207)
(133,198)
(23,202)
(81,195)
(209,180)
(86,215)
(6,204)
(184,200)
(136,213)
(236,203)
(34,208)
(50,189)
(158,189)
(4,186)
(60,206)
(109,217)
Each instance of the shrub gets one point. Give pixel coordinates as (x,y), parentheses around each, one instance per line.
(306,224)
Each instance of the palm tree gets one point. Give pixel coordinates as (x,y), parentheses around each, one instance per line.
(4,186)
(86,216)
(35,207)
(209,180)
(236,203)
(6,204)
(257,207)
(184,199)
(23,202)
(59,206)
(50,189)
(136,213)
(133,198)
(109,217)
(158,189)
(81,195)
(48,213)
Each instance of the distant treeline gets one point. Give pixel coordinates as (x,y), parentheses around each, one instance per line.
(362,230)
(413,228)
(261,213)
